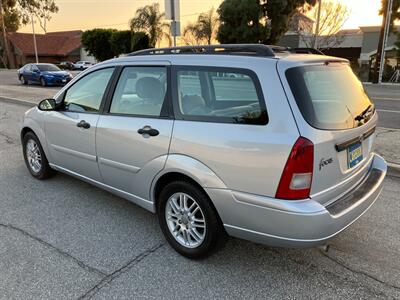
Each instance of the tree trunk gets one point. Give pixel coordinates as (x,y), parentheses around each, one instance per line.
(380,45)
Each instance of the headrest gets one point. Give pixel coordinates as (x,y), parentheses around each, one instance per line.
(191,102)
(150,88)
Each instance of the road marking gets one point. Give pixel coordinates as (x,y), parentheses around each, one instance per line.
(392,99)
(389,111)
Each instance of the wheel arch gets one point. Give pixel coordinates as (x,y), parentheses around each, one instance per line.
(30,125)
(177,176)
(25,130)
(182,167)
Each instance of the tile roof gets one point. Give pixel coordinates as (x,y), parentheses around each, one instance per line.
(50,44)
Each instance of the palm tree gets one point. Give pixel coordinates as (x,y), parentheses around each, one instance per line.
(149,19)
(204,30)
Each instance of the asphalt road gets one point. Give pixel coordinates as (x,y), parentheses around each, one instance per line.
(65,239)
(387,101)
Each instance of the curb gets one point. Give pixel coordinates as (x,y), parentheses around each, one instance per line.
(18,101)
(393,169)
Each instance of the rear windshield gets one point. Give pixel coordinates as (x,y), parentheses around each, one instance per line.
(330,96)
(44,68)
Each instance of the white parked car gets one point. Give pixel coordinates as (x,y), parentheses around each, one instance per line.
(82,65)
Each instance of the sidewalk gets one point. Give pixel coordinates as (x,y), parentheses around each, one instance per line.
(27,93)
(387,144)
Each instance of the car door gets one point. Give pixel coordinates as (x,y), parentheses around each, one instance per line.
(35,74)
(134,133)
(27,73)
(70,132)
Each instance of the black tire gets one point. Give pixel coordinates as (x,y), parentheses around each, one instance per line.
(43,82)
(45,171)
(23,80)
(215,235)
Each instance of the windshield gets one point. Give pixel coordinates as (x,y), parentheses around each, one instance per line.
(330,96)
(44,68)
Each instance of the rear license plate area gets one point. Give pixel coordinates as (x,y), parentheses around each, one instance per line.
(354,154)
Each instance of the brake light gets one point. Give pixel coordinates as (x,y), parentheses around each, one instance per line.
(296,178)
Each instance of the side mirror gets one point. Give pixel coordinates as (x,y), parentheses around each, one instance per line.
(47,105)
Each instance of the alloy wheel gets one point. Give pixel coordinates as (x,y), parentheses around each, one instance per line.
(33,156)
(185,220)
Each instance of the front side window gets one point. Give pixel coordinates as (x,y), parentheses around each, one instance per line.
(48,67)
(86,94)
(140,91)
(220,95)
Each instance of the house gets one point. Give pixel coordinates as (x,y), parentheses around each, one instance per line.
(299,25)
(52,47)
(357,45)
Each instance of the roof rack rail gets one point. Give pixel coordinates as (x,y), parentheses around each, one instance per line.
(305,50)
(233,49)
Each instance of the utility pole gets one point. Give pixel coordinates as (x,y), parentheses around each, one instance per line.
(172,12)
(173,21)
(385,38)
(3,26)
(381,48)
(34,40)
(315,44)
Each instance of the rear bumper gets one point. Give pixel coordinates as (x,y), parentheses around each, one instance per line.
(302,223)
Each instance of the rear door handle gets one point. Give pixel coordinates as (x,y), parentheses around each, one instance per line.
(147,130)
(83,124)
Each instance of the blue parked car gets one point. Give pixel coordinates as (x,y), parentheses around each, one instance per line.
(44,74)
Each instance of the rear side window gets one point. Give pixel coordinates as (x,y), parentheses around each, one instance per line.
(330,97)
(224,95)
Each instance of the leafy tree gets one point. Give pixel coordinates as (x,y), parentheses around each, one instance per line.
(108,43)
(42,9)
(332,18)
(394,17)
(204,30)
(121,41)
(140,40)
(241,22)
(97,42)
(395,12)
(150,20)
(256,21)
(13,13)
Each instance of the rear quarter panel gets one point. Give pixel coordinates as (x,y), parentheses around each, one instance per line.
(247,158)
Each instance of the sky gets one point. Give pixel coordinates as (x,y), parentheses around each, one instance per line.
(88,14)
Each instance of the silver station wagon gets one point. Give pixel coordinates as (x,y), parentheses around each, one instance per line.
(238,140)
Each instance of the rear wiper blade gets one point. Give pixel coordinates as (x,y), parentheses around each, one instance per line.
(363,114)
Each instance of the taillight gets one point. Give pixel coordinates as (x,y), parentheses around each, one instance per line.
(296,178)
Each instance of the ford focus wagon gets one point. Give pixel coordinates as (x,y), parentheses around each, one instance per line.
(238,140)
